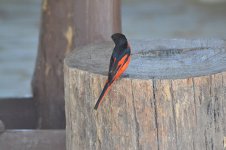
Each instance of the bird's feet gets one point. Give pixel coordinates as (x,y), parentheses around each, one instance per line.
(124,75)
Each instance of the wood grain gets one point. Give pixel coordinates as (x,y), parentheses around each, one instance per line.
(180,106)
(33,140)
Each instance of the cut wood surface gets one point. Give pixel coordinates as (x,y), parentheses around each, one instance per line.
(32,140)
(173,97)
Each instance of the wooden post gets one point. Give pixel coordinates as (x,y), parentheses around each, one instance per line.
(174,97)
(33,140)
(18,113)
(66,25)
(2,127)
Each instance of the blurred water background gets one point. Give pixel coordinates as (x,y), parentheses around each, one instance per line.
(19,31)
(20,19)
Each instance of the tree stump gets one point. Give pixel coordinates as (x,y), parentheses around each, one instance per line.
(174,97)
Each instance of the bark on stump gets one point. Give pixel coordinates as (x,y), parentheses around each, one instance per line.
(174,97)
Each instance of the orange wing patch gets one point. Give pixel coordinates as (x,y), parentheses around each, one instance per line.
(122,66)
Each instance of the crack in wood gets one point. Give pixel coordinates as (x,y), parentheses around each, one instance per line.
(99,142)
(174,113)
(136,122)
(167,52)
(156,114)
(224,142)
(206,142)
(194,95)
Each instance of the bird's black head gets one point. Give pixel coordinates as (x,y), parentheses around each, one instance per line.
(120,40)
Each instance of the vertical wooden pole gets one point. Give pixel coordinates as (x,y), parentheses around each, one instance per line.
(65,25)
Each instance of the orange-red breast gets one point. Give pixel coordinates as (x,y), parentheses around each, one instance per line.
(120,60)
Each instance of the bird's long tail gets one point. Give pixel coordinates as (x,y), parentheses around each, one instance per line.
(103,93)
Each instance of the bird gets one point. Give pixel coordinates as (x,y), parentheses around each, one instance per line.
(119,62)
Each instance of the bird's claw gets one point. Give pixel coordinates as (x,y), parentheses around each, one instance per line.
(124,75)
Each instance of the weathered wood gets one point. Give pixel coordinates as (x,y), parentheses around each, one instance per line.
(33,140)
(2,126)
(18,113)
(65,25)
(174,97)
